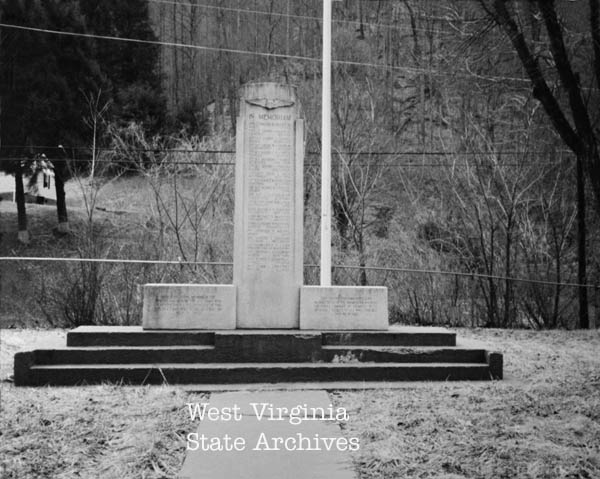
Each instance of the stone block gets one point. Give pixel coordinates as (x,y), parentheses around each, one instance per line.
(495,361)
(189,306)
(343,308)
(260,346)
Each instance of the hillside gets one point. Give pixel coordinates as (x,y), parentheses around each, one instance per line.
(451,184)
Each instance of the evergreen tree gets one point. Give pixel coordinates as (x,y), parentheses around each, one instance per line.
(42,76)
(130,67)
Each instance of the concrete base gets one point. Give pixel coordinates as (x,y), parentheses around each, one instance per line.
(63,227)
(189,306)
(343,308)
(132,355)
(23,237)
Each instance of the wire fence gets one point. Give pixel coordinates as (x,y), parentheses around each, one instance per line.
(68,292)
(113,158)
(418,293)
(306,266)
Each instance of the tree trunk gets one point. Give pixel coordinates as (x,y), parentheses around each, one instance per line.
(363,262)
(23,234)
(361,28)
(507,272)
(584,321)
(557,291)
(61,204)
(580,139)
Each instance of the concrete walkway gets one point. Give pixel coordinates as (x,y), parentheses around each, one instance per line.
(272,445)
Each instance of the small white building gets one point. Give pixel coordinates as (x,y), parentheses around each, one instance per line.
(41,191)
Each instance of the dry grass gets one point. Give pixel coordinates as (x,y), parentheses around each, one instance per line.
(20,281)
(127,224)
(543,421)
(105,431)
(101,431)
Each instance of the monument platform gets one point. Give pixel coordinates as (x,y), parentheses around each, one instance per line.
(131,355)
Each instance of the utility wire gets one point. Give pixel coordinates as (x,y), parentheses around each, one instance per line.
(116,162)
(112,149)
(283,56)
(338,266)
(112,261)
(314,152)
(361,160)
(157,42)
(167,163)
(407,28)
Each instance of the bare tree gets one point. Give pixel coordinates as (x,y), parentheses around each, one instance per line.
(491,193)
(359,169)
(544,236)
(575,120)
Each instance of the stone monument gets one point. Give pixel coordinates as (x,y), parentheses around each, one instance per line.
(267,261)
(266,327)
(267,290)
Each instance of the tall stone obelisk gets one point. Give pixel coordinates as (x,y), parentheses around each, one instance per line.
(268,263)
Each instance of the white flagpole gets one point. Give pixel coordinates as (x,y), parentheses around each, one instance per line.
(326,149)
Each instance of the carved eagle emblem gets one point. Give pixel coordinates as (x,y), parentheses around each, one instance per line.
(269,104)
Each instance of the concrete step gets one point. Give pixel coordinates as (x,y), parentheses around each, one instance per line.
(98,353)
(208,354)
(404,354)
(136,336)
(268,346)
(125,355)
(395,336)
(225,373)
(239,339)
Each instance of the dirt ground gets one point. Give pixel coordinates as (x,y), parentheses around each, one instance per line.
(542,421)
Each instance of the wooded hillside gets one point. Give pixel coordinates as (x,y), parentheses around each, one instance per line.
(465,140)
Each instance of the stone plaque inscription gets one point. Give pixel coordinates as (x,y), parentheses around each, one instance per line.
(343,307)
(208,303)
(188,306)
(270,180)
(346,306)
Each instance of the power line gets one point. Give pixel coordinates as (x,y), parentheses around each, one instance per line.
(377,158)
(117,162)
(416,71)
(404,29)
(166,163)
(464,274)
(113,261)
(337,266)
(127,164)
(157,42)
(62,149)
(311,18)
(312,152)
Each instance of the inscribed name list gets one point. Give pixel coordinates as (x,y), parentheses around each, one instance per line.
(270,184)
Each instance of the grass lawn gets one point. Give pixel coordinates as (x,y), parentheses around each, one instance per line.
(542,421)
